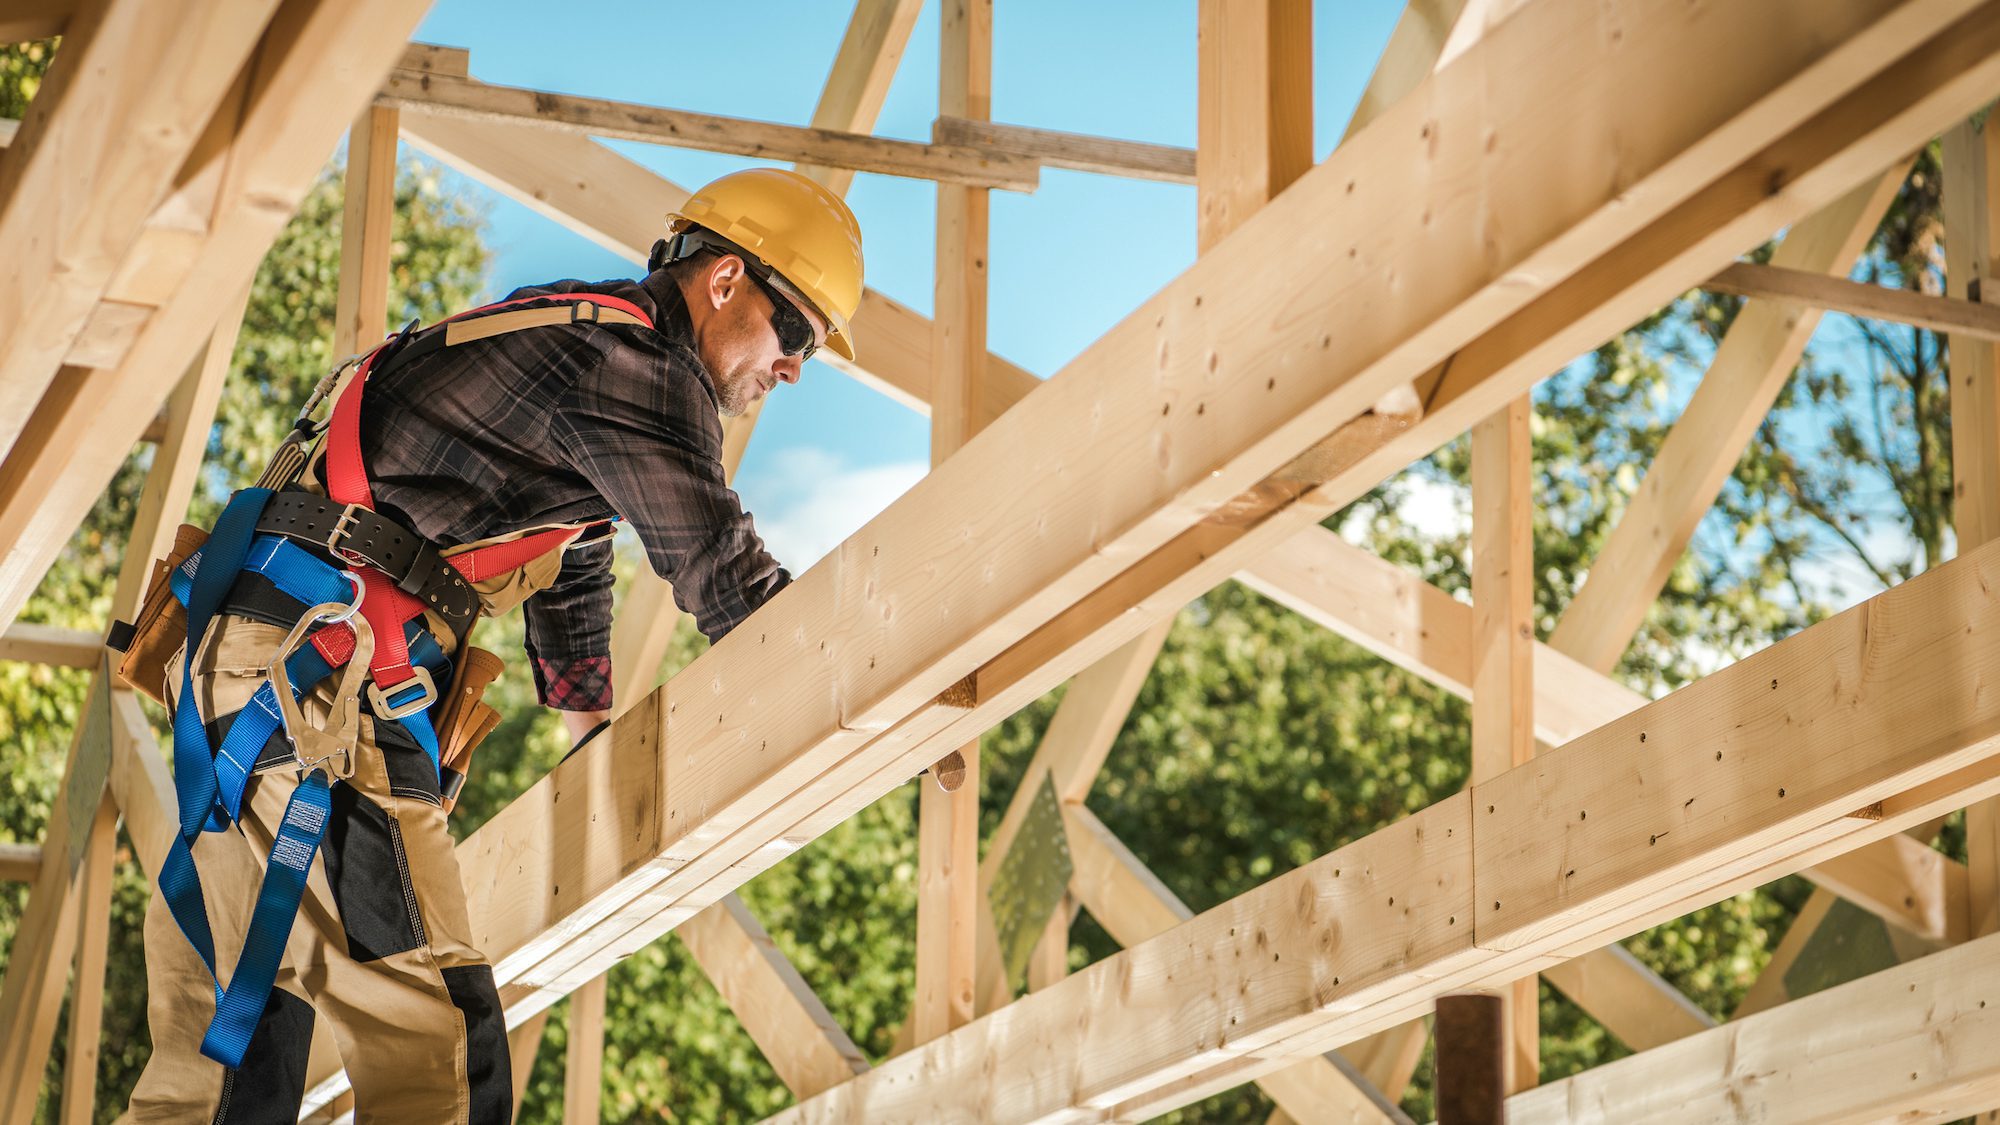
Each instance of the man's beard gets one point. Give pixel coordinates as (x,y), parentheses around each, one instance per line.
(732,398)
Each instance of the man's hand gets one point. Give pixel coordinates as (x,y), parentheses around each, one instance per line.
(580,723)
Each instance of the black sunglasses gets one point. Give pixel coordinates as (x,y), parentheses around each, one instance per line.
(795,333)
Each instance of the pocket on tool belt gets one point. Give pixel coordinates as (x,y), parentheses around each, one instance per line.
(159,631)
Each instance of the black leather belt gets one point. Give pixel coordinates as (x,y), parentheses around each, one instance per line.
(357,534)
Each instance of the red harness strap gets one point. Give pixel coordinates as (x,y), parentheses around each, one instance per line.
(385,606)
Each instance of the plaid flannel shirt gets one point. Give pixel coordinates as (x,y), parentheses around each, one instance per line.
(567,424)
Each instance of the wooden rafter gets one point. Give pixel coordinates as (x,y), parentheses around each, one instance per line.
(316,64)
(790,1025)
(1134,906)
(1395,614)
(125,101)
(1919,1042)
(441,95)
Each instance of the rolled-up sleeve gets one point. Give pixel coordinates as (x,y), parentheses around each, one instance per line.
(569,632)
(641,427)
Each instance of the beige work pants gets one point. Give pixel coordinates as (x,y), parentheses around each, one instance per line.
(381,948)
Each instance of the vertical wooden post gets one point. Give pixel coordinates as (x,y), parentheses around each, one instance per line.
(86,997)
(1970,266)
(361,310)
(948,823)
(1503,638)
(523,1043)
(583,1080)
(1471,1071)
(1254,127)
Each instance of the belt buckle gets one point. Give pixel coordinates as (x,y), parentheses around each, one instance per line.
(342,528)
(378,699)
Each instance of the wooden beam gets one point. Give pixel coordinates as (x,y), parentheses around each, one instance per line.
(86,998)
(1255,108)
(316,64)
(844,733)
(1768,990)
(948,888)
(22,20)
(1751,365)
(583,1078)
(438,95)
(140,784)
(1630,1000)
(1133,906)
(1972,260)
(47,644)
(124,102)
(858,84)
(523,1043)
(1871,302)
(1394,613)
(1919,1042)
(783,1015)
(1642,827)
(1503,653)
(1076,151)
(368,208)
(19,863)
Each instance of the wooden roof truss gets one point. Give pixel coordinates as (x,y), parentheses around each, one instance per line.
(1344,318)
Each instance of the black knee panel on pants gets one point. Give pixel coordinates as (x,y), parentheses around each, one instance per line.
(488,1066)
(272,1080)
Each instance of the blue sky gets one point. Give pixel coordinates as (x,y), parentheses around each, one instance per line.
(1067,261)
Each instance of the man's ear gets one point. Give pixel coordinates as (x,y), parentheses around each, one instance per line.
(725,279)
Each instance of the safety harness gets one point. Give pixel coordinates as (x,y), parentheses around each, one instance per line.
(365,621)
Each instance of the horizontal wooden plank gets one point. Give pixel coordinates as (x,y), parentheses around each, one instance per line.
(1076,151)
(1919,1042)
(1395,614)
(1870,302)
(48,644)
(440,94)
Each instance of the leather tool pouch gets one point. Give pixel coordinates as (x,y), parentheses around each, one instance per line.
(466,719)
(160,629)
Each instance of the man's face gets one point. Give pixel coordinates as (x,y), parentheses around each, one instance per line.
(737,342)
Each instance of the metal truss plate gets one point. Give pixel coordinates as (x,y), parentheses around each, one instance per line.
(1031,880)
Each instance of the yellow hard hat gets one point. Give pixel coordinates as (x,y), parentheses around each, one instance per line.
(797,227)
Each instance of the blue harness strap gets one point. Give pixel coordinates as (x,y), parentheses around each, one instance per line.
(209,783)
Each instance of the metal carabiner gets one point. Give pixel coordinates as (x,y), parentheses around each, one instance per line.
(360,594)
(332,747)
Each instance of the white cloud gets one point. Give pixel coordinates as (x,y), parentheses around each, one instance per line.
(807,500)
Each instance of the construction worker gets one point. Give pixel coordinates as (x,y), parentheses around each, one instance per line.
(314,723)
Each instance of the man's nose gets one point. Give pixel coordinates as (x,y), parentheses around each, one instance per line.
(788,368)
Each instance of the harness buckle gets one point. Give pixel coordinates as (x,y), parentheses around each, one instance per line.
(384,708)
(576,311)
(342,528)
